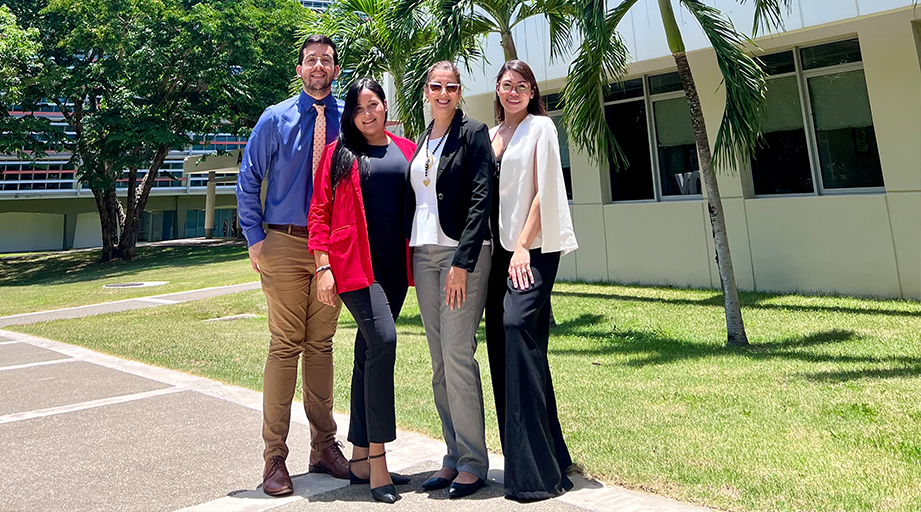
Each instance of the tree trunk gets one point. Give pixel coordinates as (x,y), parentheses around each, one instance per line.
(137,200)
(108,223)
(508,46)
(735,328)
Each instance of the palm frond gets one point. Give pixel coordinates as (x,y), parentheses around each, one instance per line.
(559,15)
(454,32)
(601,57)
(768,14)
(744,80)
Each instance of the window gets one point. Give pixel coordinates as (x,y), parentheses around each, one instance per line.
(626,115)
(554,105)
(652,125)
(818,129)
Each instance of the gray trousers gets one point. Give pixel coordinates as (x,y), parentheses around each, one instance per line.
(452,344)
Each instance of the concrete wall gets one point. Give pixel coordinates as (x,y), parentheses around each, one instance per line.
(38,224)
(21,232)
(89,233)
(861,244)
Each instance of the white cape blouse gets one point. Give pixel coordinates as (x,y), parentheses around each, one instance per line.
(534,145)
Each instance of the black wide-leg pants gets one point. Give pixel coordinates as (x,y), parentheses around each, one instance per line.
(375,309)
(536,456)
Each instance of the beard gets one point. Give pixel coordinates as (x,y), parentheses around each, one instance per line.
(313,85)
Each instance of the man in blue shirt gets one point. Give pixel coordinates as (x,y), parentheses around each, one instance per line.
(280,156)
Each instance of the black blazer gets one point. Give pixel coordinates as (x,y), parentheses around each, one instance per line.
(463,186)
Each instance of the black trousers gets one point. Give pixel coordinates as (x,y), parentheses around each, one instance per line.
(375,309)
(536,456)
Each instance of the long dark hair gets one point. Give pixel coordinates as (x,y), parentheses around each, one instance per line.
(352,144)
(535,104)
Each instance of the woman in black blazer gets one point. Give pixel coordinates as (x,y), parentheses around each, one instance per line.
(447,217)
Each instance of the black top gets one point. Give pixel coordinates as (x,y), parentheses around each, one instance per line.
(384,189)
(494,208)
(463,188)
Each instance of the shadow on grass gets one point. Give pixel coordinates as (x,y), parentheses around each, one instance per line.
(82,266)
(748,300)
(649,349)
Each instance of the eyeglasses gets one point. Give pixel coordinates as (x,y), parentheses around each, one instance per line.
(521,88)
(450,87)
(311,61)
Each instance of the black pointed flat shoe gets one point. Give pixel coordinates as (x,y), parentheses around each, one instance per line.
(386,494)
(459,490)
(435,483)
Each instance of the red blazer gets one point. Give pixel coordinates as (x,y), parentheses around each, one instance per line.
(340,227)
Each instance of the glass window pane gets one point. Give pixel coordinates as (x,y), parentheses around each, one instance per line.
(778,63)
(678,163)
(625,90)
(564,153)
(551,102)
(628,123)
(669,82)
(831,54)
(848,153)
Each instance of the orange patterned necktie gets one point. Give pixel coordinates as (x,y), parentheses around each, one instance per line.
(319,136)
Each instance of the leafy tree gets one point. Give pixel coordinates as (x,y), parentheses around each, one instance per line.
(17,46)
(134,79)
(602,56)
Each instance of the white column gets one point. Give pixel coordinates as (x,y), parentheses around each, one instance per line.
(209,206)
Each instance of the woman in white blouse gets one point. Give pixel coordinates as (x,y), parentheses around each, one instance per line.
(447,218)
(531,229)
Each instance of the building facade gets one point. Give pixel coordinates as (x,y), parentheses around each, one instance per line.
(43,206)
(830,204)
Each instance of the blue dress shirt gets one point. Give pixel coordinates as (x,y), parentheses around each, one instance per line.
(282,146)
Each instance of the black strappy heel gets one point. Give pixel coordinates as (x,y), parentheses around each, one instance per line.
(385,493)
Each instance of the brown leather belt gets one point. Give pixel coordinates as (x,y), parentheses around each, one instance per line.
(291,229)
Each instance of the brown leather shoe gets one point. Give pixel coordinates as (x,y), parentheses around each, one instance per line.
(331,461)
(275,478)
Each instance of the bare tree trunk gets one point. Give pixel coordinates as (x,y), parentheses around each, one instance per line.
(108,222)
(508,46)
(735,328)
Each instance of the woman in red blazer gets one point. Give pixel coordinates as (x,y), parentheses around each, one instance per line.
(357,236)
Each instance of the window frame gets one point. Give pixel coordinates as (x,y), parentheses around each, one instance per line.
(653,146)
(802,84)
(555,114)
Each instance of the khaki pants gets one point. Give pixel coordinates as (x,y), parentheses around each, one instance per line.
(301,327)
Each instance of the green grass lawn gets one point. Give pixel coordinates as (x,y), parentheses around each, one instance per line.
(821,413)
(43,281)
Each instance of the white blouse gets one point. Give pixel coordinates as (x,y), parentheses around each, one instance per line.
(426,226)
(534,147)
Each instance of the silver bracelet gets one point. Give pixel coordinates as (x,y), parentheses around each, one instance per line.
(321,269)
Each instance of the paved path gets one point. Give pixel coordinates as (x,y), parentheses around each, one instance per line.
(84,431)
(126,304)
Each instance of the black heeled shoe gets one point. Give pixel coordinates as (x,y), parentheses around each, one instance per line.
(459,490)
(385,493)
(354,479)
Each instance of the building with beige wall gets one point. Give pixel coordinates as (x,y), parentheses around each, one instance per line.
(832,204)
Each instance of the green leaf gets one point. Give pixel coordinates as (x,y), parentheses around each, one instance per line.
(744,80)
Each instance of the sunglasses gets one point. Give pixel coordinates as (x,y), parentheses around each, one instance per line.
(450,87)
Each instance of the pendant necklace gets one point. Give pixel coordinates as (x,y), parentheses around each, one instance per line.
(430,156)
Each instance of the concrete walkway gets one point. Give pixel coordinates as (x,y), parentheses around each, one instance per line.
(84,431)
(125,305)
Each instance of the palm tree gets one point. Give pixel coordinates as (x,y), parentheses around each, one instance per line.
(461,26)
(602,56)
(375,37)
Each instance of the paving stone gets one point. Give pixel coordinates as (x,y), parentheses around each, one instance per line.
(16,354)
